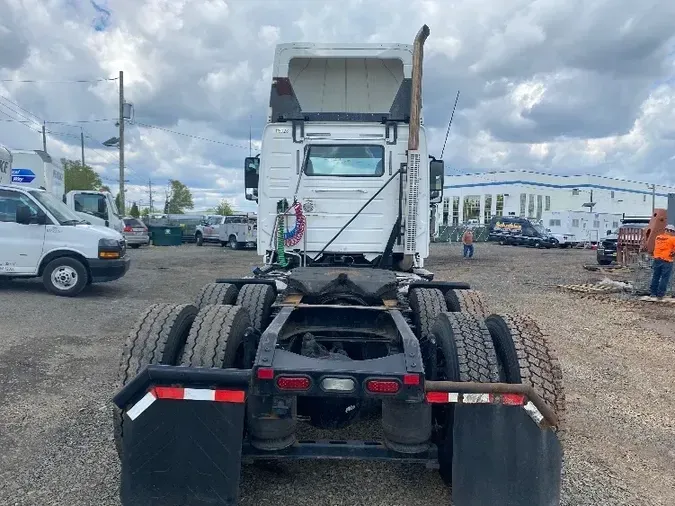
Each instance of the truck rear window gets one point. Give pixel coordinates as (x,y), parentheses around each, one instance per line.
(356,160)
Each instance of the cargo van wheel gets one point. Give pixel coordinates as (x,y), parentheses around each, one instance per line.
(65,276)
(199,239)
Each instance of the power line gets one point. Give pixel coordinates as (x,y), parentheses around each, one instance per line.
(20,122)
(190,135)
(7,99)
(78,121)
(68,81)
(18,114)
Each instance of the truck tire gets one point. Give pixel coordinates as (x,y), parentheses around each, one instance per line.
(464,353)
(526,357)
(216,337)
(199,239)
(215,294)
(257,299)
(467,301)
(232,242)
(157,338)
(65,276)
(426,304)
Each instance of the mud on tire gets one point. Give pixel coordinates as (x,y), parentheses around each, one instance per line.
(158,337)
(527,357)
(216,337)
(257,299)
(467,301)
(216,293)
(426,304)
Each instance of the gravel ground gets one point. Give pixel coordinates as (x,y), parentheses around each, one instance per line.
(59,358)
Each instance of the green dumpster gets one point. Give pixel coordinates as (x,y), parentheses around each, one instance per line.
(166,235)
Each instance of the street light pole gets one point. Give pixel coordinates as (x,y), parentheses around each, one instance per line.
(653,189)
(122,203)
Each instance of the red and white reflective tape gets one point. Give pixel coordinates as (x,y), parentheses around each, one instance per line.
(503,399)
(185,394)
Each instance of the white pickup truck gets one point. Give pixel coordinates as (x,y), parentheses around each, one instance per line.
(41,237)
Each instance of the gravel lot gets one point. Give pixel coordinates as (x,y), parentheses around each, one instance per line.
(59,358)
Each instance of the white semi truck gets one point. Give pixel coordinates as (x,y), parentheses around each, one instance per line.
(37,169)
(341,319)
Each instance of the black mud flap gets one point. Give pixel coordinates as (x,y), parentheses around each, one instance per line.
(182,444)
(502,457)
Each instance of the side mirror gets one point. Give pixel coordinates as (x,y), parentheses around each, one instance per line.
(251,177)
(23,215)
(436,180)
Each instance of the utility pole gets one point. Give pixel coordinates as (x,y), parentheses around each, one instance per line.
(653,198)
(652,187)
(82,144)
(44,137)
(123,205)
(150,194)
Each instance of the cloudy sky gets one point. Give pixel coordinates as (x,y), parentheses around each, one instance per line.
(568,86)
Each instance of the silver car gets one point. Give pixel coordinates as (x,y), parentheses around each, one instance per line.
(135,232)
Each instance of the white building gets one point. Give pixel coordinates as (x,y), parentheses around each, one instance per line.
(479,196)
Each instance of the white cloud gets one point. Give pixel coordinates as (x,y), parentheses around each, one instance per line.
(568,86)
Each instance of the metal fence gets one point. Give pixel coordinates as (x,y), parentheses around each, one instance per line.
(641,268)
(454,233)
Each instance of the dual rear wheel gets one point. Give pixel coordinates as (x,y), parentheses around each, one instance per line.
(464,341)
(215,332)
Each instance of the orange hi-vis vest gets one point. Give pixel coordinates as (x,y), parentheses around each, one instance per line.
(664,247)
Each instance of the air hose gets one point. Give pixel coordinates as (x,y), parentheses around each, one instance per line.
(281,251)
(293,236)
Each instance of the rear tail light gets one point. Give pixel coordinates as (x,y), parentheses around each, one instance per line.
(293,383)
(338,384)
(128,229)
(382,386)
(265,373)
(411,379)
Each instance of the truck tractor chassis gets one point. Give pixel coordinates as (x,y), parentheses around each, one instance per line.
(209,386)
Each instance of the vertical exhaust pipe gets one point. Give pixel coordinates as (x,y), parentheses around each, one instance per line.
(414,157)
(416,91)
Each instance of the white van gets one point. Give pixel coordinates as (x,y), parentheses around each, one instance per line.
(41,237)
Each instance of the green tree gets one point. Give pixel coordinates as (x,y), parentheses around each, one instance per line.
(105,188)
(178,198)
(222,209)
(118,203)
(79,177)
(145,212)
(134,211)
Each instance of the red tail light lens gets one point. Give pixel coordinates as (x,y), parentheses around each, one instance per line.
(265,373)
(293,383)
(128,229)
(411,379)
(382,386)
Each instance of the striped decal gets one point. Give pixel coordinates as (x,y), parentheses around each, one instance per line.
(503,399)
(185,394)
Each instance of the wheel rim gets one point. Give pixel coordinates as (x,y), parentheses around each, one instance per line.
(233,243)
(64,277)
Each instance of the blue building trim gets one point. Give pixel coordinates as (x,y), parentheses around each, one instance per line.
(551,185)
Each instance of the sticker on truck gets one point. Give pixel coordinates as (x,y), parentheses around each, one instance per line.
(22,176)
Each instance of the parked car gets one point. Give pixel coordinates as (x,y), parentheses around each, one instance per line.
(135,232)
(41,237)
(518,231)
